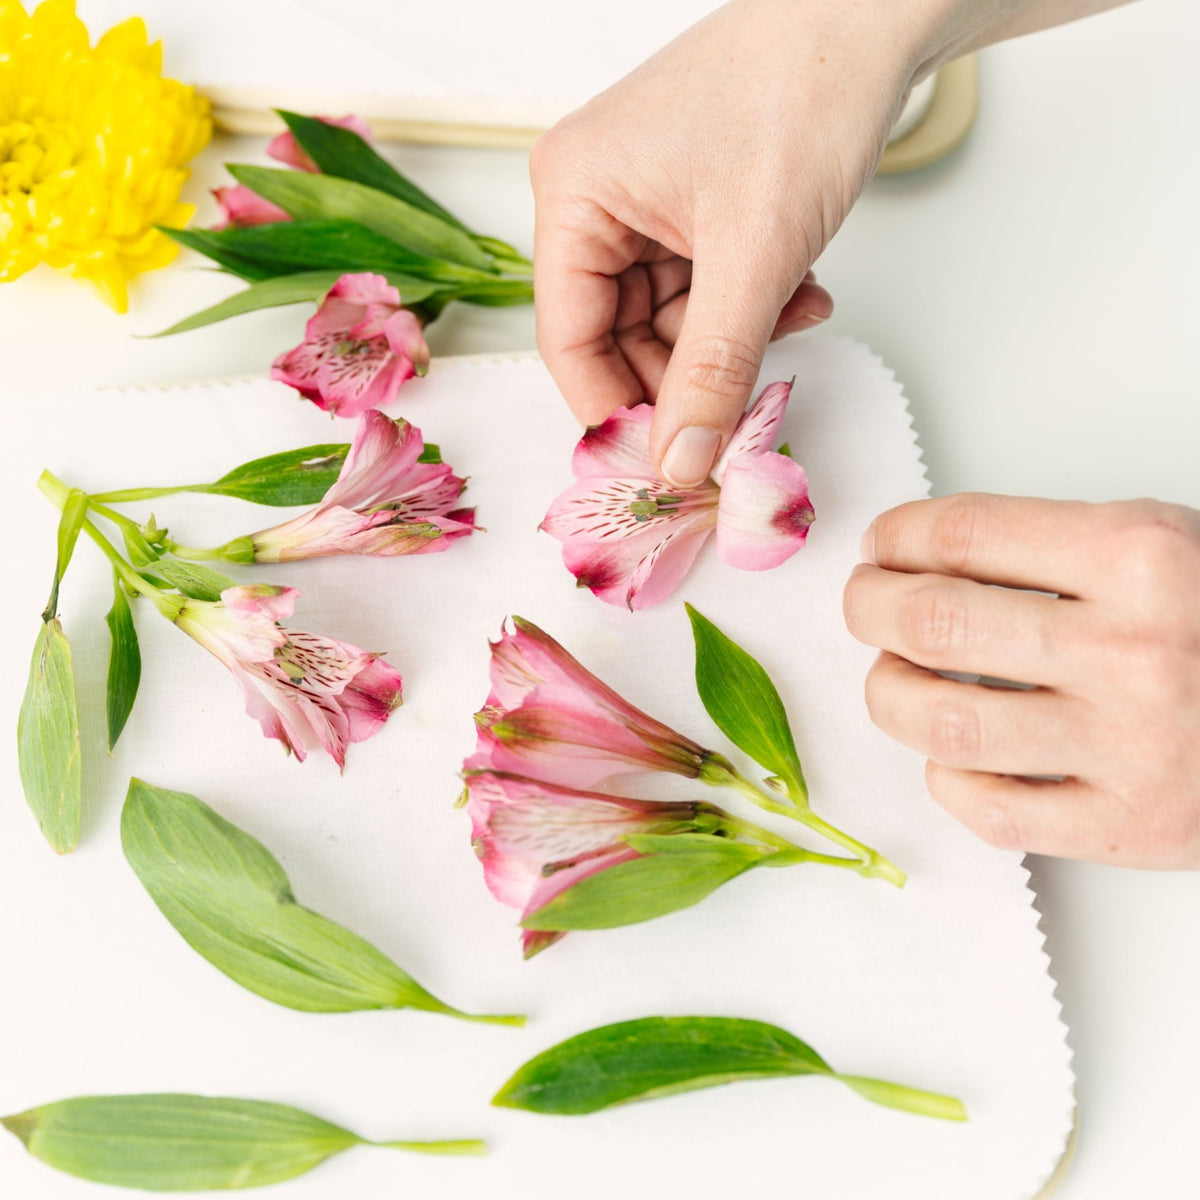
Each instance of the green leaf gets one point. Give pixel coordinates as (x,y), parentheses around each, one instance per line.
(124,664)
(48,740)
(289,247)
(341,152)
(492,293)
(300,476)
(74,511)
(229,898)
(431,454)
(192,579)
(307,196)
(678,870)
(179,1143)
(651,1057)
(289,289)
(661,1056)
(744,703)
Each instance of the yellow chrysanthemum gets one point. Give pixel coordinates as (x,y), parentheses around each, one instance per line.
(93,142)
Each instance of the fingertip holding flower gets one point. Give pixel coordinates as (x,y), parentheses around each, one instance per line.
(358,349)
(630,537)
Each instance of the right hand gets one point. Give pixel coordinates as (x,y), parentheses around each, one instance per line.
(678,213)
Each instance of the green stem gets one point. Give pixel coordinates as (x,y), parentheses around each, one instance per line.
(129,495)
(907,1099)
(466,1146)
(788,853)
(194,553)
(876,866)
(57,491)
(514,266)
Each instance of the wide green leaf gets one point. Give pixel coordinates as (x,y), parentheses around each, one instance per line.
(289,247)
(307,196)
(48,750)
(744,703)
(192,579)
(179,1143)
(229,898)
(677,871)
(341,152)
(661,1056)
(124,663)
(305,286)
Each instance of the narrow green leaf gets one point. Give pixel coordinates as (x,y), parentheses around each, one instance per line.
(73,513)
(307,196)
(300,476)
(744,703)
(651,1057)
(341,152)
(290,289)
(229,898)
(124,663)
(180,1143)
(192,579)
(661,1056)
(678,870)
(289,247)
(492,293)
(48,740)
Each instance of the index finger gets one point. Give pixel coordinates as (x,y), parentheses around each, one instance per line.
(578,252)
(1045,545)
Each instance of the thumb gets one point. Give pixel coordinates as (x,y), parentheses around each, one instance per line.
(730,316)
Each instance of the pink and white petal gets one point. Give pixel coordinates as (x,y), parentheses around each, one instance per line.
(764,511)
(598,510)
(406,338)
(758,428)
(351,390)
(370,697)
(382,457)
(663,569)
(618,446)
(261,600)
(271,716)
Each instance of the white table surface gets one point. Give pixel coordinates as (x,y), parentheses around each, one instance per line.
(1035,293)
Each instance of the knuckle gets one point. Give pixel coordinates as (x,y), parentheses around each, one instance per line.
(959,531)
(1151,541)
(955,734)
(934,621)
(723,367)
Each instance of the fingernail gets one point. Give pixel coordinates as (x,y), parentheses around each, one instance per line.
(689,457)
(866,548)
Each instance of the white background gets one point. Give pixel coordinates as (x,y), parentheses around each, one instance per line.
(1036,294)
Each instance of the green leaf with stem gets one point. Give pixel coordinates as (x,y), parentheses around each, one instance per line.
(744,704)
(307,196)
(228,897)
(341,152)
(179,1143)
(661,1056)
(305,286)
(260,252)
(74,510)
(48,751)
(124,663)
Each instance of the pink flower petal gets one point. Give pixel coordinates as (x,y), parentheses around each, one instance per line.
(764,511)
(404,335)
(619,446)
(381,459)
(343,377)
(285,149)
(356,306)
(241,208)
(756,431)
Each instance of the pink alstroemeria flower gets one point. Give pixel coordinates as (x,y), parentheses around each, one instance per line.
(284,148)
(550,718)
(301,688)
(357,350)
(241,208)
(383,502)
(630,537)
(536,840)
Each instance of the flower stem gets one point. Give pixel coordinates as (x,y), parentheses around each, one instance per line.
(469,1146)
(788,853)
(129,495)
(874,863)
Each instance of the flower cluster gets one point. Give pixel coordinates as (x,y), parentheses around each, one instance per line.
(630,537)
(93,147)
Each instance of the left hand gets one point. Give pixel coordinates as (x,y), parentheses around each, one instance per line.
(1114,653)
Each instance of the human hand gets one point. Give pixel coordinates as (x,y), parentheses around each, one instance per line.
(1115,655)
(679,212)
